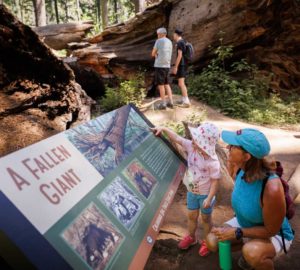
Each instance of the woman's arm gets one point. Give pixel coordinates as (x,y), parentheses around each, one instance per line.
(171,134)
(273,214)
(274,210)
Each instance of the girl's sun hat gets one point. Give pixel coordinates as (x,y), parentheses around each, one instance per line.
(206,137)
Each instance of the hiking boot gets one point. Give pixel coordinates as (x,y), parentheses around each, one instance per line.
(170,105)
(187,242)
(203,251)
(161,106)
(243,264)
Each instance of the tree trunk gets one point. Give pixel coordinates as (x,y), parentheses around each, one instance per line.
(66,10)
(56,11)
(78,10)
(22,11)
(17,8)
(139,5)
(57,36)
(104,13)
(38,93)
(265,32)
(98,8)
(116,11)
(40,12)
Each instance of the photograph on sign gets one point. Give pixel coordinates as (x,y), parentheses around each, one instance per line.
(107,140)
(141,178)
(122,202)
(93,237)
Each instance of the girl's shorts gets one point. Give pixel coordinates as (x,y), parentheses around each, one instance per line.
(195,202)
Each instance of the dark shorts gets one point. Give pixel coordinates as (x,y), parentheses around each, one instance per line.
(182,72)
(162,76)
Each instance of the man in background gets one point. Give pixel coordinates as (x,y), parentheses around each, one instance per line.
(162,52)
(181,67)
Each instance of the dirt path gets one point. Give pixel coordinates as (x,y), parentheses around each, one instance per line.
(285,146)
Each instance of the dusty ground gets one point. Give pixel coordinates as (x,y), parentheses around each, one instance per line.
(285,146)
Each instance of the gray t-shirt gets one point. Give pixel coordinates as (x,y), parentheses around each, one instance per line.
(164,50)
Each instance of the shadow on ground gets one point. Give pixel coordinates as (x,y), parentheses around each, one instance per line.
(165,255)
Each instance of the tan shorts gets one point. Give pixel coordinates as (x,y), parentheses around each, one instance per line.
(276,240)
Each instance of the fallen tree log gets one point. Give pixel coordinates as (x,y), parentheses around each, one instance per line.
(57,36)
(38,92)
(265,32)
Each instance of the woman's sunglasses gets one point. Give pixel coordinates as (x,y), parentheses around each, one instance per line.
(230,147)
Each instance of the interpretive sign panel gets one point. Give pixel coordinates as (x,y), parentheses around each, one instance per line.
(92,197)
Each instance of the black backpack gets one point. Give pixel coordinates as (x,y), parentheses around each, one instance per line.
(189,52)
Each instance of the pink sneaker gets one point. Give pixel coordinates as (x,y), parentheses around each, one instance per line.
(186,242)
(203,251)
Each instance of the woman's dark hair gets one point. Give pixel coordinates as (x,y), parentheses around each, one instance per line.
(258,168)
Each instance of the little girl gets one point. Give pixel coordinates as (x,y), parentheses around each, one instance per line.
(204,169)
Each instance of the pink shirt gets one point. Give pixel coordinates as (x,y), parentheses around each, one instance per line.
(202,169)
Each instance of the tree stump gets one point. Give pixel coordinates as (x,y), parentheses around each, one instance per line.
(38,92)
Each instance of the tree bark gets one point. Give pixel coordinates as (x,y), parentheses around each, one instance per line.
(265,32)
(40,12)
(78,10)
(116,10)
(98,7)
(57,36)
(139,5)
(66,10)
(56,11)
(38,92)
(104,13)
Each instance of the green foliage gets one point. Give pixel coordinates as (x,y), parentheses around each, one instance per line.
(178,127)
(246,97)
(73,10)
(131,91)
(60,53)
(276,110)
(195,118)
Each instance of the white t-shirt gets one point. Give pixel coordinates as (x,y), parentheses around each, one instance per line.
(164,49)
(203,170)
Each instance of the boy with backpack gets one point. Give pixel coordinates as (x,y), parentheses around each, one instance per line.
(185,53)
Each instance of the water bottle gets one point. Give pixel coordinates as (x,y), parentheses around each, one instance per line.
(225,255)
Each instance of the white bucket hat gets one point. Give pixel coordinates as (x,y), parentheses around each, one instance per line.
(206,137)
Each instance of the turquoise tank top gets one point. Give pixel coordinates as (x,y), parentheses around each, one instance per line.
(246,204)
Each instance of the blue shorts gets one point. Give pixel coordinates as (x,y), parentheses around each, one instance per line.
(195,202)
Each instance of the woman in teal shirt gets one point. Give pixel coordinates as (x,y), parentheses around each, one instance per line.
(256,225)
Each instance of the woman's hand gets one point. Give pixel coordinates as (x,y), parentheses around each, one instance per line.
(224,233)
(157,130)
